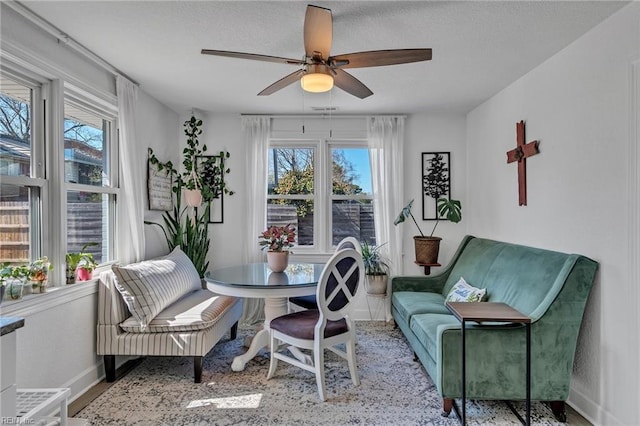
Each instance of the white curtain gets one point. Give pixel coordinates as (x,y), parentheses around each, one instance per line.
(256,132)
(386,141)
(131,244)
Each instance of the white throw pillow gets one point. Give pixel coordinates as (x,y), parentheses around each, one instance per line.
(463,292)
(150,286)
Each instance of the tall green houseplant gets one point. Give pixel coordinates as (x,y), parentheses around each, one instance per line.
(190,232)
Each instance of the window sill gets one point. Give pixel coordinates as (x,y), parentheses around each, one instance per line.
(55,296)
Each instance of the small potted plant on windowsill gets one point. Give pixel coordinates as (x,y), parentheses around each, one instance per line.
(81,264)
(13,279)
(376,269)
(428,247)
(39,274)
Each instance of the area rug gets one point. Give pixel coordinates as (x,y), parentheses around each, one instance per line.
(394,390)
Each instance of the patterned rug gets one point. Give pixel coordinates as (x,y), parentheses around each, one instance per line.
(394,390)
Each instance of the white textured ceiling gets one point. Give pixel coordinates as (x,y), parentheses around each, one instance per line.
(479,47)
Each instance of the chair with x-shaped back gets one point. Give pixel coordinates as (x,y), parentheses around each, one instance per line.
(309,302)
(326,326)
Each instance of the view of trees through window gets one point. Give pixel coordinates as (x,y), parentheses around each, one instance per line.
(85,164)
(293,196)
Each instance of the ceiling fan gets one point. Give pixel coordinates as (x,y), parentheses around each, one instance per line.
(320,71)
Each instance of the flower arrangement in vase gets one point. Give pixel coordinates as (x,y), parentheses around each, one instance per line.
(277,240)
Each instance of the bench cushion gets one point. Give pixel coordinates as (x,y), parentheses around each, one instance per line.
(150,286)
(196,311)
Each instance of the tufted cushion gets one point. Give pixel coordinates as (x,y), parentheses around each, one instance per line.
(150,286)
(302,325)
(196,311)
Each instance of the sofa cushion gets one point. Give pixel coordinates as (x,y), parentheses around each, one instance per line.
(196,311)
(150,286)
(463,292)
(425,328)
(409,303)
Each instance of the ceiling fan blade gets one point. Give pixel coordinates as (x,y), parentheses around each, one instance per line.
(376,58)
(318,31)
(282,83)
(350,84)
(253,56)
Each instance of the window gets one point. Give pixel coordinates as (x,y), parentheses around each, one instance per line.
(20,170)
(87,175)
(324,189)
(56,193)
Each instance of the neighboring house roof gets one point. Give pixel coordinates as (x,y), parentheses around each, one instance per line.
(75,150)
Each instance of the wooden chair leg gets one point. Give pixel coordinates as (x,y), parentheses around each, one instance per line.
(559,411)
(110,368)
(234,331)
(447,405)
(197,369)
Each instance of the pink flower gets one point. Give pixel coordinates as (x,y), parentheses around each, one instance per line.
(278,238)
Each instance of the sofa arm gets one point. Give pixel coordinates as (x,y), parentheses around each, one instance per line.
(433,284)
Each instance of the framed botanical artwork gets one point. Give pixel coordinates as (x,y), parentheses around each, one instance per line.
(211,170)
(436,181)
(159,186)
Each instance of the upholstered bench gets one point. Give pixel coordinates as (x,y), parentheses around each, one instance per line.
(160,307)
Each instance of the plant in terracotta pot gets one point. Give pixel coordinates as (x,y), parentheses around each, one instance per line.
(428,247)
(277,240)
(376,269)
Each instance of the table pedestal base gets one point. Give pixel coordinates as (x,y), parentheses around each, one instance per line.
(273,308)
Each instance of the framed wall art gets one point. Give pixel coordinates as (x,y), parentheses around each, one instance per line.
(210,168)
(436,181)
(159,186)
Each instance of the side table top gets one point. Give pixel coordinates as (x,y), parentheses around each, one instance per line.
(486,311)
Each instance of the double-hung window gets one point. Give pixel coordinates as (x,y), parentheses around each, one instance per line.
(58,171)
(323,188)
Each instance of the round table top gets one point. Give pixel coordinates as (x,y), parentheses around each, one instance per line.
(257,280)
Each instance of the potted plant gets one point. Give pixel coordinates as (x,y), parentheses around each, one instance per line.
(277,240)
(376,269)
(13,279)
(428,247)
(39,274)
(81,263)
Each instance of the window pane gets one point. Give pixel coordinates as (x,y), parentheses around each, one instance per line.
(14,224)
(15,128)
(299,213)
(291,171)
(84,145)
(353,219)
(351,172)
(88,222)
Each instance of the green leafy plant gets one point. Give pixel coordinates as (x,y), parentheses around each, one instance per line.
(39,269)
(191,232)
(374,263)
(82,259)
(7,271)
(447,209)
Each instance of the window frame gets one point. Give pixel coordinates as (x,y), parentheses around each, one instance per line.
(323,196)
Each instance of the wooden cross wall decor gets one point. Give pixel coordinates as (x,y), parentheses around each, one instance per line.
(520,154)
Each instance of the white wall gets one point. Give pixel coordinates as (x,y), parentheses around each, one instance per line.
(577,104)
(434,133)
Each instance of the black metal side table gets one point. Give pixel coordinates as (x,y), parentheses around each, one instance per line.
(494,312)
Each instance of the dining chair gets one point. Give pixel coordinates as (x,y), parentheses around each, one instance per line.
(309,301)
(328,325)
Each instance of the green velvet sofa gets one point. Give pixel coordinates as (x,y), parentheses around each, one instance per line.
(550,287)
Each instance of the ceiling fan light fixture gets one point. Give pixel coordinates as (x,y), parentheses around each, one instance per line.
(317,79)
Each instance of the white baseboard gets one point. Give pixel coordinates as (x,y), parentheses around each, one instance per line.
(590,410)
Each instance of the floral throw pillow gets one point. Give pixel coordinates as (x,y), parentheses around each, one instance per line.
(463,292)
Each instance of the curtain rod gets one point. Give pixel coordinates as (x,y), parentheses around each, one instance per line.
(64,38)
(324,115)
